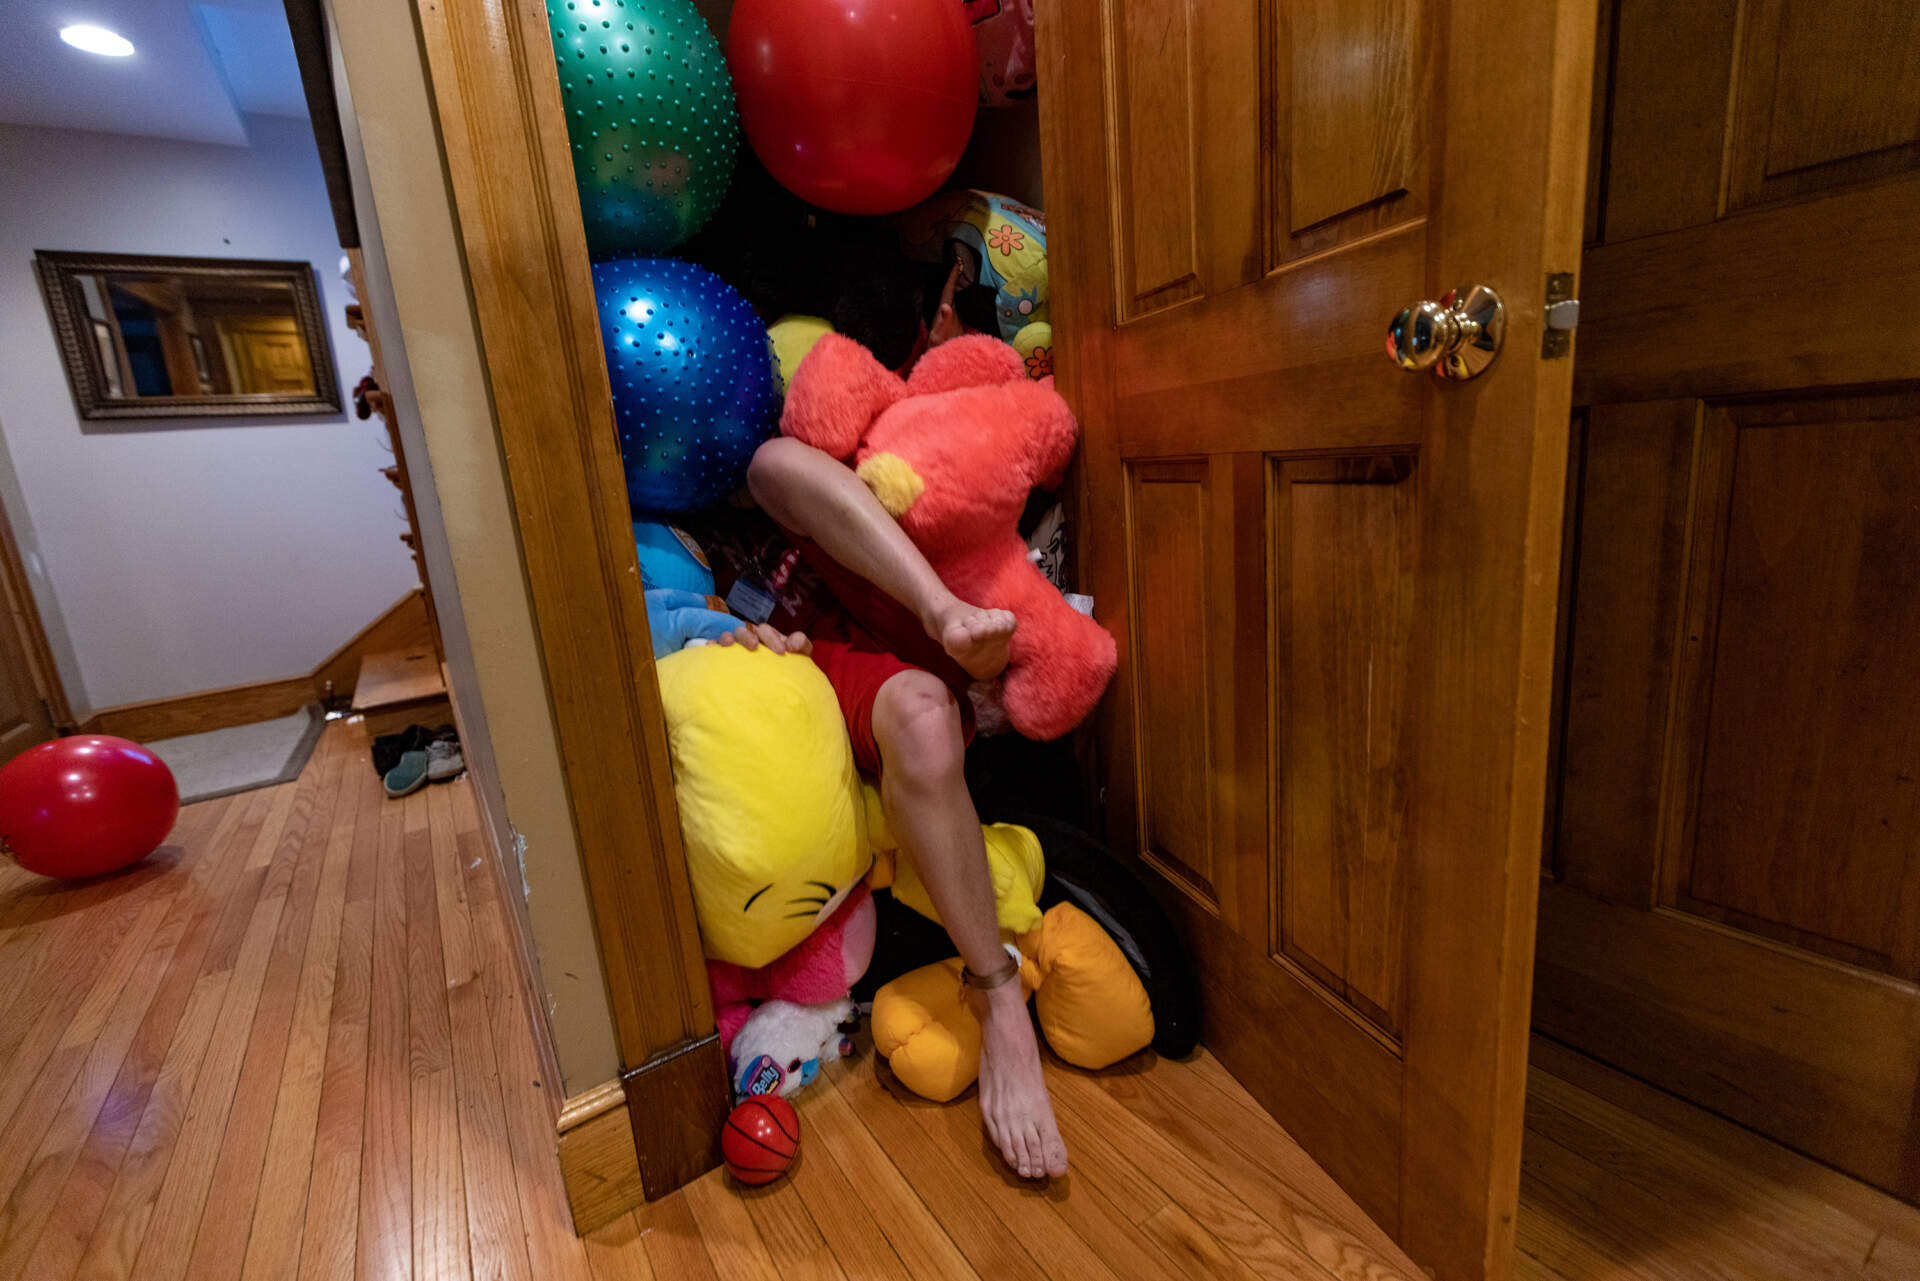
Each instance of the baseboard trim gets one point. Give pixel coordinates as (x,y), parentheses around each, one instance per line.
(207,710)
(634,1140)
(598,1159)
(402,623)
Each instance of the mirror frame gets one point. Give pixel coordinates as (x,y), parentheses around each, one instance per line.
(58,271)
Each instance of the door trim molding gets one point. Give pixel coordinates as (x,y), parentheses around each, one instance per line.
(509,169)
(16,599)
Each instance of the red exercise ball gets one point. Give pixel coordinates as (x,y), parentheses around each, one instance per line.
(859,106)
(85,805)
(760,1138)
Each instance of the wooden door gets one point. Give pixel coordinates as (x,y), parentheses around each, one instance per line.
(1732,902)
(27,683)
(1333,582)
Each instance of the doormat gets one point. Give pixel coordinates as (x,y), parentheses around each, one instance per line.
(221,762)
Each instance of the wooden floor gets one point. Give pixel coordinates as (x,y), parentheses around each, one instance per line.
(294,1044)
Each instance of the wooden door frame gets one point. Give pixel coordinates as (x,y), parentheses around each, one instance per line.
(16,598)
(509,167)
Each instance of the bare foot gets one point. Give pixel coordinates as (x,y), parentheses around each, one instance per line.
(1013,1093)
(977,639)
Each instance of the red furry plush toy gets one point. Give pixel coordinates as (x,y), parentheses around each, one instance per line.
(952,451)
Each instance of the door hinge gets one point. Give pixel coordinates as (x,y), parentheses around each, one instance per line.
(1562,316)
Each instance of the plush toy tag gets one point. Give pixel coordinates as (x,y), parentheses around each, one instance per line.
(750,600)
(762,1076)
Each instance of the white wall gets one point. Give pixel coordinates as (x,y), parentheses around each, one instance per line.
(187,554)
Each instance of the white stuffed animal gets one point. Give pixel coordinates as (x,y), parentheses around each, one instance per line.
(780,1048)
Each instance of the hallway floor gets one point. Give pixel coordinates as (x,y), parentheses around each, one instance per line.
(295,1044)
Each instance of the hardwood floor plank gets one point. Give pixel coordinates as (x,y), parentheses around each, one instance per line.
(331,1229)
(458,961)
(1193,1249)
(733,1242)
(220,1246)
(121,1230)
(1202,1087)
(781,1217)
(840,1213)
(38,913)
(1176,1108)
(65,1074)
(75,964)
(1068,1224)
(384,1240)
(439,1193)
(173,1225)
(934,1169)
(1667,1236)
(525,1096)
(616,1253)
(672,1237)
(1678,1173)
(34,1195)
(1893,1259)
(81,1198)
(497,1237)
(925,1249)
(1224,1215)
(1729,1144)
(273,1244)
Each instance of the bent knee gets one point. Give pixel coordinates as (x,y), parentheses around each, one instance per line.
(774,466)
(917,725)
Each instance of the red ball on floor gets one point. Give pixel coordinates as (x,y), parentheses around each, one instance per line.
(85,805)
(760,1138)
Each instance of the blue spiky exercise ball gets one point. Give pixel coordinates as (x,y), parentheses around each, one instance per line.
(651,116)
(694,391)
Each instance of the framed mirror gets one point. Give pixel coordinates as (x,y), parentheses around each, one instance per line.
(144,336)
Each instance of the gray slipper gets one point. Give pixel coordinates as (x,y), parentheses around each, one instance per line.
(444,760)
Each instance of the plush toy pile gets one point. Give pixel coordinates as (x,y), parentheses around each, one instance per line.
(952,451)
(785,846)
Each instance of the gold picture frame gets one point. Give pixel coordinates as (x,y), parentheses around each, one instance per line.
(153,336)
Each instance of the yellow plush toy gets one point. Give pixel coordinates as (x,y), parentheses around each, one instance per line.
(1091,1003)
(770,805)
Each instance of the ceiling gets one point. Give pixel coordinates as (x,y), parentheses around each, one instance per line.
(196,71)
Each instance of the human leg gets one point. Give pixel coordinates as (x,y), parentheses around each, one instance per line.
(820,498)
(917,728)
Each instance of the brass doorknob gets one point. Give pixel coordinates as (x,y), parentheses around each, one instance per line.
(1457,337)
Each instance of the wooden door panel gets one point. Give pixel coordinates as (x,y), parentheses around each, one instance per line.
(1185,149)
(1634,515)
(1168,523)
(1342,574)
(1828,96)
(1665,122)
(1807,817)
(26,718)
(1352,76)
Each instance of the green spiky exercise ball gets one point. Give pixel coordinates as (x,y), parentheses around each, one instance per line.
(650,113)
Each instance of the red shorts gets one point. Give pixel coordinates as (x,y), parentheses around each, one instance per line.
(870,647)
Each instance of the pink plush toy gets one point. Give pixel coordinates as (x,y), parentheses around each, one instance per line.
(951,452)
(822,967)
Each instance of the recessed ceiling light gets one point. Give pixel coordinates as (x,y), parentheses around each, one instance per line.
(110,44)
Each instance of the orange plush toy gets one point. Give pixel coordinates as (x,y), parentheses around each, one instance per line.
(952,451)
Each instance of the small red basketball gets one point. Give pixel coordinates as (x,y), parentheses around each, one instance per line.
(760,1138)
